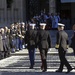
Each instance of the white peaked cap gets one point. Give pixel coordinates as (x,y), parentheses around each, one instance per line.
(22,23)
(32,24)
(60,24)
(42,24)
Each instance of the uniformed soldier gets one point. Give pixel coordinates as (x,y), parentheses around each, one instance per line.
(4,39)
(30,40)
(12,38)
(43,43)
(23,30)
(73,40)
(1,47)
(61,44)
(7,34)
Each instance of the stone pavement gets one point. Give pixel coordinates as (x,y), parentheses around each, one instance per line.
(19,64)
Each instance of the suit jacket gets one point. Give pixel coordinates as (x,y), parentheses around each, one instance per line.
(73,41)
(30,38)
(62,39)
(43,39)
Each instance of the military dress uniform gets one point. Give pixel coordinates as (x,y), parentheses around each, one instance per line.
(43,43)
(30,40)
(12,39)
(1,48)
(5,43)
(72,45)
(62,41)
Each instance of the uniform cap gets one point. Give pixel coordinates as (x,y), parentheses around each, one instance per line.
(42,24)
(60,24)
(32,24)
(22,23)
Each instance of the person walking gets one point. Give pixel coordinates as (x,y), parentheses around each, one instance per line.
(43,43)
(30,40)
(62,42)
(72,45)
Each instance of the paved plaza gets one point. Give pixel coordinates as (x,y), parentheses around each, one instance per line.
(18,63)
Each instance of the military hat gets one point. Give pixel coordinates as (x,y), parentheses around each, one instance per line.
(32,24)
(42,24)
(60,24)
(22,23)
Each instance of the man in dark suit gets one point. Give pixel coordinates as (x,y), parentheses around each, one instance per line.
(30,40)
(62,42)
(73,40)
(44,43)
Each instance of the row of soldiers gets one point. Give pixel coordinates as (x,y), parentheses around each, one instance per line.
(41,39)
(11,39)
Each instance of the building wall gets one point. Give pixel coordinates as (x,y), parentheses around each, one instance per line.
(10,15)
(73,13)
(17,12)
(52,6)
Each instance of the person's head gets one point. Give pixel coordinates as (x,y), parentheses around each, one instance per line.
(22,23)
(6,28)
(2,30)
(73,27)
(32,25)
(60,26)
(12,26)
(42,25)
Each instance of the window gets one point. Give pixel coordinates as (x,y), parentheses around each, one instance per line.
(9,3)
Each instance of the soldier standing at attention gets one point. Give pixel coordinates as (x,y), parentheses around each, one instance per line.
(43,43)
(30,40)
(62,42)
(73,40)
(1,47)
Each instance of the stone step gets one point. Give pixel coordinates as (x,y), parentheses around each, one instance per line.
(53,51)
(35,70)
(20,61)
(48,61)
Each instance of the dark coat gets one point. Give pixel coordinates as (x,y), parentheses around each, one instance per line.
(43,39)
(73,41)
(62,39)
(30,38)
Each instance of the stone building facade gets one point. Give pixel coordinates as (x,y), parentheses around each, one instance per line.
(11,13)
(20,10)
(17,11)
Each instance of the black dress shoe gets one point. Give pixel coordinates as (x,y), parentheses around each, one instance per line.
(58,71)
(69,70)
(31,67)
(44,70)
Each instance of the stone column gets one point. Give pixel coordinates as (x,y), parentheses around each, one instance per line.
(73,13)
(52,6)
(5,10)
(1,11)
(24,10)
(21,11)
(12,13)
